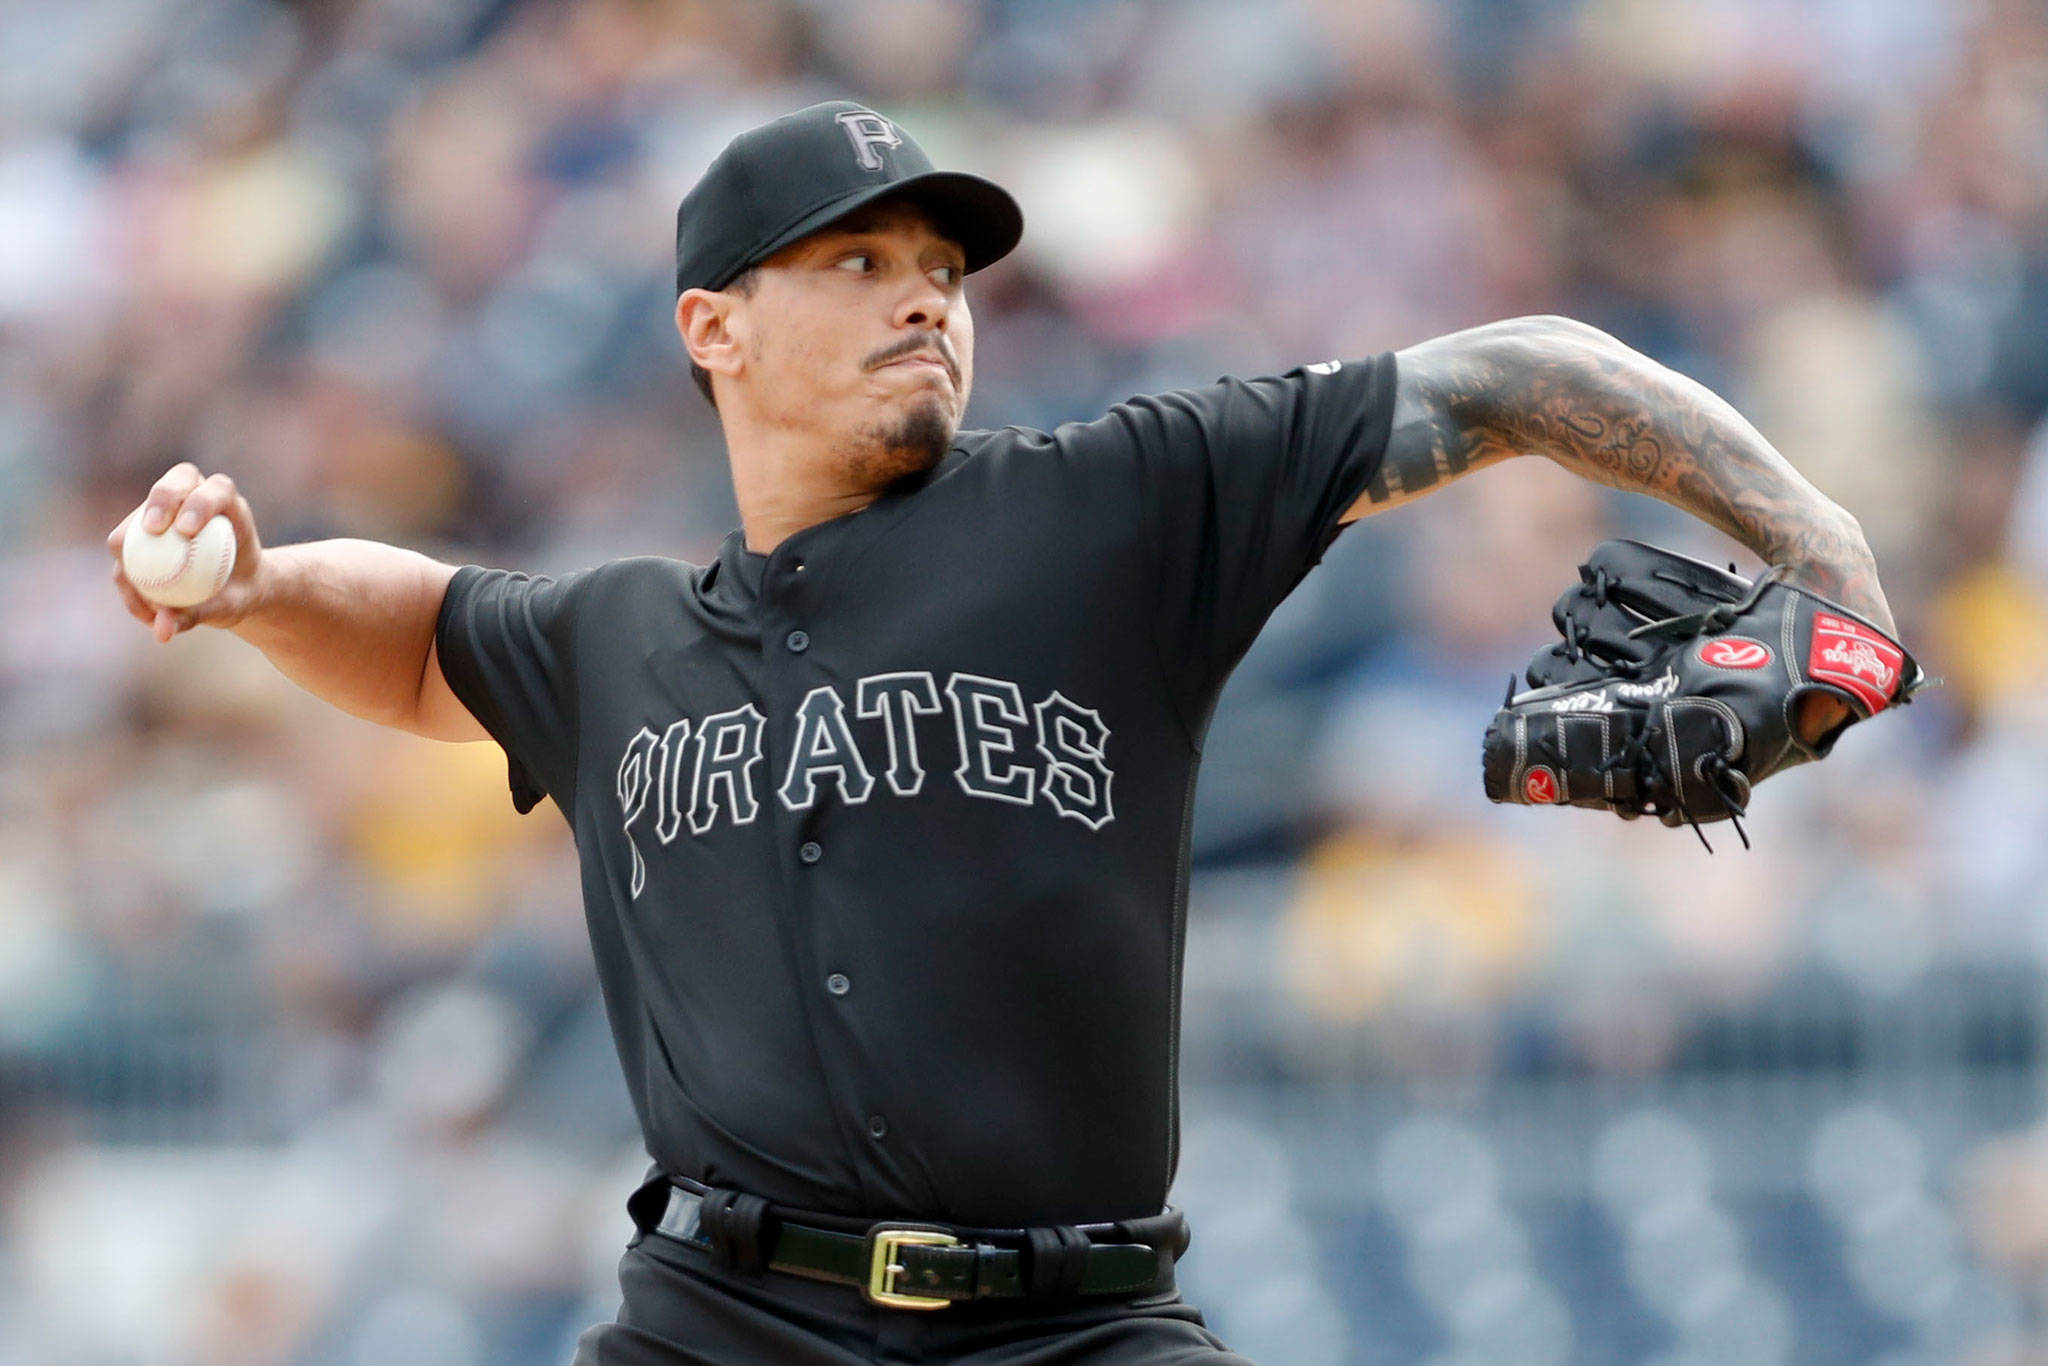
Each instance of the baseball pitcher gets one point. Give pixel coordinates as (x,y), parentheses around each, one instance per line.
(883,813)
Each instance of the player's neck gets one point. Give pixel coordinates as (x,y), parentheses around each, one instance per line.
(781,488)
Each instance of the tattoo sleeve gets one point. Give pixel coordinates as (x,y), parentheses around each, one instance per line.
(1561,389)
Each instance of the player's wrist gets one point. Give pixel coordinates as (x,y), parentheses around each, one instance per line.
(271,583)
(1841,568)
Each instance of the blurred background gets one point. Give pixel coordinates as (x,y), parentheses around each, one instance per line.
(300,1057)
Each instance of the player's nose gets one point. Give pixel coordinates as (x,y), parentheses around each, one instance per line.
(923,305)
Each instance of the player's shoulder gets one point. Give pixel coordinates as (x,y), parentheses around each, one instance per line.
(624,571)
(1009,464)
(974,443)
(642,579)
(1075,454)
(1254,404)
(1124,421)
(1019,446)
(664,570)
(612,582)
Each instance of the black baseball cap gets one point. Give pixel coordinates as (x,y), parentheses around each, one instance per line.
(792,176)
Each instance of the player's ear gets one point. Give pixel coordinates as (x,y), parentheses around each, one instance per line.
(704,320)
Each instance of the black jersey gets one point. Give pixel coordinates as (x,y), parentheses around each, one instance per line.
(884,835)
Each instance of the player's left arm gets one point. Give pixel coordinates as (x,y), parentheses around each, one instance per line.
(1558,388)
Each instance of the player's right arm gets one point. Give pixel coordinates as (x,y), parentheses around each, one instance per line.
(351,622)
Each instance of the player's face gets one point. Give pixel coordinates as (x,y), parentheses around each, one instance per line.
(860,335)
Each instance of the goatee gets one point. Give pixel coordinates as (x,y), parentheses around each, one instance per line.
(914,444)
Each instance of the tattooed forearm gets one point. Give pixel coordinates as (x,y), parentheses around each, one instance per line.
(1557,388)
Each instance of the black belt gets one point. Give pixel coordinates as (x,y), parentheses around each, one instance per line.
(918,1265)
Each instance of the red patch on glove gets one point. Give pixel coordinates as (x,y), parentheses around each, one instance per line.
(1539,785)
(1856,659)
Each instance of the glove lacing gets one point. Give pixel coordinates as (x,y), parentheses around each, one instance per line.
(1719,773)
(1722,776)
(1576,633)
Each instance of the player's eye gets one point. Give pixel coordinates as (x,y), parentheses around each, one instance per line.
(859,260)
(946,276)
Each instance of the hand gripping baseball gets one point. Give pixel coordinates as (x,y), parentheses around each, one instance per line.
(184,501)
(1678,687)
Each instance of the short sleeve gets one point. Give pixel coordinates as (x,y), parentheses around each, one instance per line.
(1243,485)
(507,646)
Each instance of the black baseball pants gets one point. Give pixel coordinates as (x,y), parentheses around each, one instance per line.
(683,1307)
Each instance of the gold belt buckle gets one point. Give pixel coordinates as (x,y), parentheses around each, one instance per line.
(884,1269)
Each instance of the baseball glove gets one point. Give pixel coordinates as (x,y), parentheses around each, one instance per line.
(1676,689)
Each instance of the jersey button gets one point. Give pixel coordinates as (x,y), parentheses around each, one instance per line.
(798,642)
(839,984)
(877,1127)
(810,851)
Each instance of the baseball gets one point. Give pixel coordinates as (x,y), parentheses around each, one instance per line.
(172,569)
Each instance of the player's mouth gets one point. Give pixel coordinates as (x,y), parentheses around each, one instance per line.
(921,360)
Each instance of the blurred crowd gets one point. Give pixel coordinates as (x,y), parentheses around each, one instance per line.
(300,1060)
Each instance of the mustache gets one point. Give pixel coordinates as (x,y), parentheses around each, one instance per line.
(915,342)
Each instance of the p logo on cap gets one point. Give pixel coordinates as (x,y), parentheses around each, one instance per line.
(867,130)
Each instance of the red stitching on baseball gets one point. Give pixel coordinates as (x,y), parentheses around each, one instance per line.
(226,565)
(172,575)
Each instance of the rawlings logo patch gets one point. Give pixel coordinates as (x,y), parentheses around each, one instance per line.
(1539,785)
(1735,652)
(1855,659)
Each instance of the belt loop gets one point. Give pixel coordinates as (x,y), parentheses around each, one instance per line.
(646,1205)
(736,1224)
(1167,1230)
(1057,1262)
(988,1268)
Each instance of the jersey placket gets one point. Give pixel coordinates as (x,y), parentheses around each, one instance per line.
(797,650)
